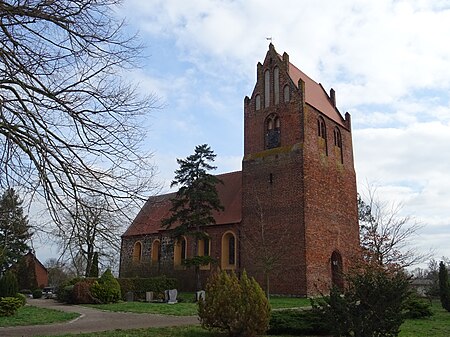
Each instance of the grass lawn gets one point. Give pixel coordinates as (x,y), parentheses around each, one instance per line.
(186,307)
(29,315)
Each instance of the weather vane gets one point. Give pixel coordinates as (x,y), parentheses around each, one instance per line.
(269,39)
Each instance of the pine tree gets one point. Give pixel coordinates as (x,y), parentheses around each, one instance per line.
(444,287)
(195,200)
(14,230)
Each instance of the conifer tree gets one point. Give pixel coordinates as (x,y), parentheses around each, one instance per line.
(444,286)
(195,201)
(14,230)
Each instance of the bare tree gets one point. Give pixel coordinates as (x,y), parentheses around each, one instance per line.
(266,245)
(70,124)
(87,231)
(385,233)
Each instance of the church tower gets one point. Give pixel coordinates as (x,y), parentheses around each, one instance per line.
(299,227)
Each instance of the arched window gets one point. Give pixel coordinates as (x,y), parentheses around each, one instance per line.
(338,145)
(228,256)
(179,252)
(276,85)
(137,252)
(287,93)
(337,279)
(272,131)
(258,102)
(203,249)
(156,251)
(322,135)
(266,89)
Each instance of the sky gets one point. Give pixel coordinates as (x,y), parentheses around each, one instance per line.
(388,60)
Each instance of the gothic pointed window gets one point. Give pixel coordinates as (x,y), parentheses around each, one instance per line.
(322,135)
(179,252)
(287,93)
(273,133)
(156,251)
(137,252)
(276,85)
(338,145)
(258,102)
(203,249)
(228,256)
(266,89)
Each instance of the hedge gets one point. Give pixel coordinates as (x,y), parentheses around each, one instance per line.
(141,285)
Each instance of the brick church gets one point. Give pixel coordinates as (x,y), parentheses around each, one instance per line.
(290,216)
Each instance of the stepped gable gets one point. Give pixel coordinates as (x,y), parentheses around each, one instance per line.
(148,220)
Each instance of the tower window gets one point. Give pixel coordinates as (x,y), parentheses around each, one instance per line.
(338,145)
(322,135)
(258,102)
(273,134)
(276,85)
(287,93)
(266,89)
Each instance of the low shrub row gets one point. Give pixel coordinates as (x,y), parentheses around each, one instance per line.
(141,285)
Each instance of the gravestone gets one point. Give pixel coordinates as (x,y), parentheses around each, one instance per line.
(200,295)
(172,296)
(129,296)
(149,296)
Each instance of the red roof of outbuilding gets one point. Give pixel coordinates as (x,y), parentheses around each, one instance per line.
(148,220)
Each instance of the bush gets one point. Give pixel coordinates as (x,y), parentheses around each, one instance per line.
(22,298)
(107,289)
(444,286)
(81,293)
(9,306)
(8,285)
(372,305)
(298,323)
(238,307)
(416,307)
(141,285)
(37,293)
(65,294)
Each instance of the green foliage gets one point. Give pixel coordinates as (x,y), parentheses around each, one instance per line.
(198,261)
(14,230)
(416,307)
(8,285)
(238,307)
(444,286)
(141,285)
(22,298)
(298,322)
(37,293)
(371,305)
(81,292)
(9,306)
(107,289)
(65,294)
(26,272)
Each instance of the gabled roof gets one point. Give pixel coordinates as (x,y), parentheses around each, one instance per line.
(315,94)
(148,220)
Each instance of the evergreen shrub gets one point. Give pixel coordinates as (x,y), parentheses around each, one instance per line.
(416,307)
(9,286)
(141,285)
(107,288)
(9,306)
(37,293)
(298,323)
(237,307)
(22,298)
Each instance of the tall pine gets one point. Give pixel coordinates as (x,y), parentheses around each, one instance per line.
(444,286)
(195,201)
(14,230)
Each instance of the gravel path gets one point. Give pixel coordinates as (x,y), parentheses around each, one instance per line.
(93,320)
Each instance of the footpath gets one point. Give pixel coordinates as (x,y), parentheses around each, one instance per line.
(93,320)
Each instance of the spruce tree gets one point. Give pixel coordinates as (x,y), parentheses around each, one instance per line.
(195,201)
(444,287)
(14,230)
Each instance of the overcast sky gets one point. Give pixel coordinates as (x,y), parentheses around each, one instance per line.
(389,62)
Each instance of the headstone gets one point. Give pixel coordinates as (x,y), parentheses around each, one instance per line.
(172,296)
(200,295)
(129,296)
(149,296)
(166,296)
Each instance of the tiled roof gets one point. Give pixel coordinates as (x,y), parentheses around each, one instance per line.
(148,220)
(315,94)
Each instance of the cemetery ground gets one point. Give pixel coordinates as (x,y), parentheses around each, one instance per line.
(437,326)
